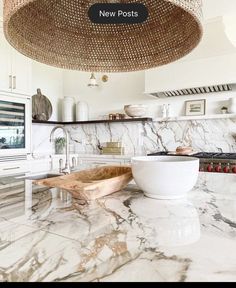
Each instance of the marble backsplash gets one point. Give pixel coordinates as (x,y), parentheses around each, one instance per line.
(218,135)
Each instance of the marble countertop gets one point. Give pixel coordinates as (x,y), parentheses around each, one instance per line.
(45,235)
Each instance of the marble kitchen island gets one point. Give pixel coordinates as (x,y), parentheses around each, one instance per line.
(45,235)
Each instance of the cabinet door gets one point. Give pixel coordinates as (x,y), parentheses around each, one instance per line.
(21,73)
(5,64)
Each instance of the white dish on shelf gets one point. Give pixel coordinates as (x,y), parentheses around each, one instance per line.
(136,111)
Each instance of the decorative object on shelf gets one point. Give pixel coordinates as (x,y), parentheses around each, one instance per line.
(168,111)
(111,116)
(82,111)
(68,109)
(103,117)
(113,151)
(113,148)
(104,78)
(232,105)
(149,46)
(93,81)
(41,107)
(60,144)
(117,116)
(195,107)
(224,110)
(163,111)
(136,111)
(114,144)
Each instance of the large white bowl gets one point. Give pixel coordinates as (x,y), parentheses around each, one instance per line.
(165,177)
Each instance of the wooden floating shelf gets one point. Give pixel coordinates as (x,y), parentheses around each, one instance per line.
(93,121)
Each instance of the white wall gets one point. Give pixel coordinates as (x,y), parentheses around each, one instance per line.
(127,88)
(109,97)
(50,81)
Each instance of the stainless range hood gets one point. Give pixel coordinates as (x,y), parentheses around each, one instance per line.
(210,68)
(196,91)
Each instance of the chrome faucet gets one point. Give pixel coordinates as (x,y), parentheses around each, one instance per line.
(67,169)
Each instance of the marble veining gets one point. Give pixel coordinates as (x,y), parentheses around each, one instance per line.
(50,236)
(216,135)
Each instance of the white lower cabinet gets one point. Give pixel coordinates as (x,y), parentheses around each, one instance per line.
(97,162)
(11,168)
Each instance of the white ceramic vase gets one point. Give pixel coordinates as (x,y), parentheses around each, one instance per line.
(232,105)
(68,109)
(163,111)
(82,111)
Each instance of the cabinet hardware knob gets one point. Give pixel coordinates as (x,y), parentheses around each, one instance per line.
(14,82)
(10,81)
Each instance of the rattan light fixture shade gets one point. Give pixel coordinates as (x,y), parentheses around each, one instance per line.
(59,33)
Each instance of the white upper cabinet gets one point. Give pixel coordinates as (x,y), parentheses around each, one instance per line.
(15,69)
(21,73)
(5,64)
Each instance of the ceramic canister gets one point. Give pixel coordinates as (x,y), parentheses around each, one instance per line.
(68,109)
(82,111)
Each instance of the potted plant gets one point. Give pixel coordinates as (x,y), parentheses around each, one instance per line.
(60,143)
(224,110)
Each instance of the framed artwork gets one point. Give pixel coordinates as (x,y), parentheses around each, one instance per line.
(195,107)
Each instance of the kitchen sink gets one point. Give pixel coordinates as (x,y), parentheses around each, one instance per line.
(40,176)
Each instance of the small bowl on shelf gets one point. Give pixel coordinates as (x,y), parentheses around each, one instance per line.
(136,111)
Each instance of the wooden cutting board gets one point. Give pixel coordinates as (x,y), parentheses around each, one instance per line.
(41,107)
(92,184)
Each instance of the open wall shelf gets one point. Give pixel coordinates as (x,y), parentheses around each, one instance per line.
(192,118)
(93,121)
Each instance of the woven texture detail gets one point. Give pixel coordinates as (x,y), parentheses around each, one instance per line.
(59,33)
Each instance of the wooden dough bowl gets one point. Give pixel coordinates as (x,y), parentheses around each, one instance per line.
(92,184)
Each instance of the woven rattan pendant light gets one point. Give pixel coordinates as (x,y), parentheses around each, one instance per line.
(59,33)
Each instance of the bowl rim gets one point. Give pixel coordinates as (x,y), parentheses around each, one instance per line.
(136,106)
(162,159)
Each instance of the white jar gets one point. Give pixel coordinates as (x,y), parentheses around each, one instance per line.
(82,111)
(232,105)
(163,111)
(68,109)
(168,111)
